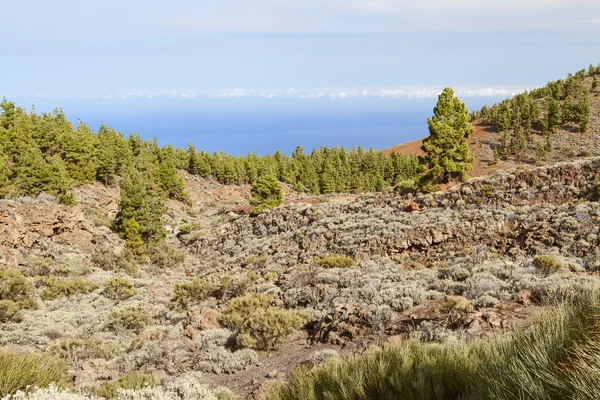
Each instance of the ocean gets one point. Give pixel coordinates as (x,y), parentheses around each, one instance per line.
(262,126)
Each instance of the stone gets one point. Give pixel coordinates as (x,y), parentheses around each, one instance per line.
(524,297)
(207,318)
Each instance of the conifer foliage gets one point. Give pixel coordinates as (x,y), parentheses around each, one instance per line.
(266,194)
(322,171)
(563,103)
(447,147)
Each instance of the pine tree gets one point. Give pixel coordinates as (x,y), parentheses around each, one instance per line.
(77,150)
(8,113)
(447,147)
(106,163)
(327,180)
(554,116)
(133,240)
(167,178)
(133,203)
(5,175)
(266,194)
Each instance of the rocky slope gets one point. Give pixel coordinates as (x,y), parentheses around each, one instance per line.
(459,263)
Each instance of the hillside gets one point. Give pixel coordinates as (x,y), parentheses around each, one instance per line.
(477,241)
(203,301)
(567,143)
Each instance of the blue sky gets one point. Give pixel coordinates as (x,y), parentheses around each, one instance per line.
(136,49)
(261,69)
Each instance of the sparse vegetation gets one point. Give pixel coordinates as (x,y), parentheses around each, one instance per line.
(215,289)
(513,366)
(131,381)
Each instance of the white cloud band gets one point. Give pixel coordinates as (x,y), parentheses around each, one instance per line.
(316,93)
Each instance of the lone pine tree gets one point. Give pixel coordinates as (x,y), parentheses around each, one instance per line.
(266,194)
(447,147)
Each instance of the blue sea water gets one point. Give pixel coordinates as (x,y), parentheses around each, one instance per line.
(263,125)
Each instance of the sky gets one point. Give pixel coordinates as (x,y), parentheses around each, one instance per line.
(142,54)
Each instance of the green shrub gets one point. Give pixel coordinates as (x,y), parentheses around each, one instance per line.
(56,288)
(546,264)
(212,355)
(118,289)
(74,351)
(258,324)
(105,258)
(131,381)
(223,393)
(17,288)
(10,311)
(487,191)
(336,261)
(254,259)
(97,218)
(24,371)
(186,229)
(128,318)
(229,288)
(405,186)
(188,294)
(164,256)
(38,266)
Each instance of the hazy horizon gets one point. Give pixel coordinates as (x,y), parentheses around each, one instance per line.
(276,73)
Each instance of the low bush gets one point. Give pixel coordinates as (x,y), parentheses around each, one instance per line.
(188,294)
(184,388)
(546,264)
(131,381)
(336,261)
(165,256)
(258,324)
(10,312)
(75,351)
(118,289)
(17,288)
(223,393)
(260,261)
(322,356)
(38,266)
(487,191)
(229,288)
(212,354)
(128,318)
(24,371)
(56,288)
(105,258)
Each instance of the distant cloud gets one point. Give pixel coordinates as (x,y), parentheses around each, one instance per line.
(291,93)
